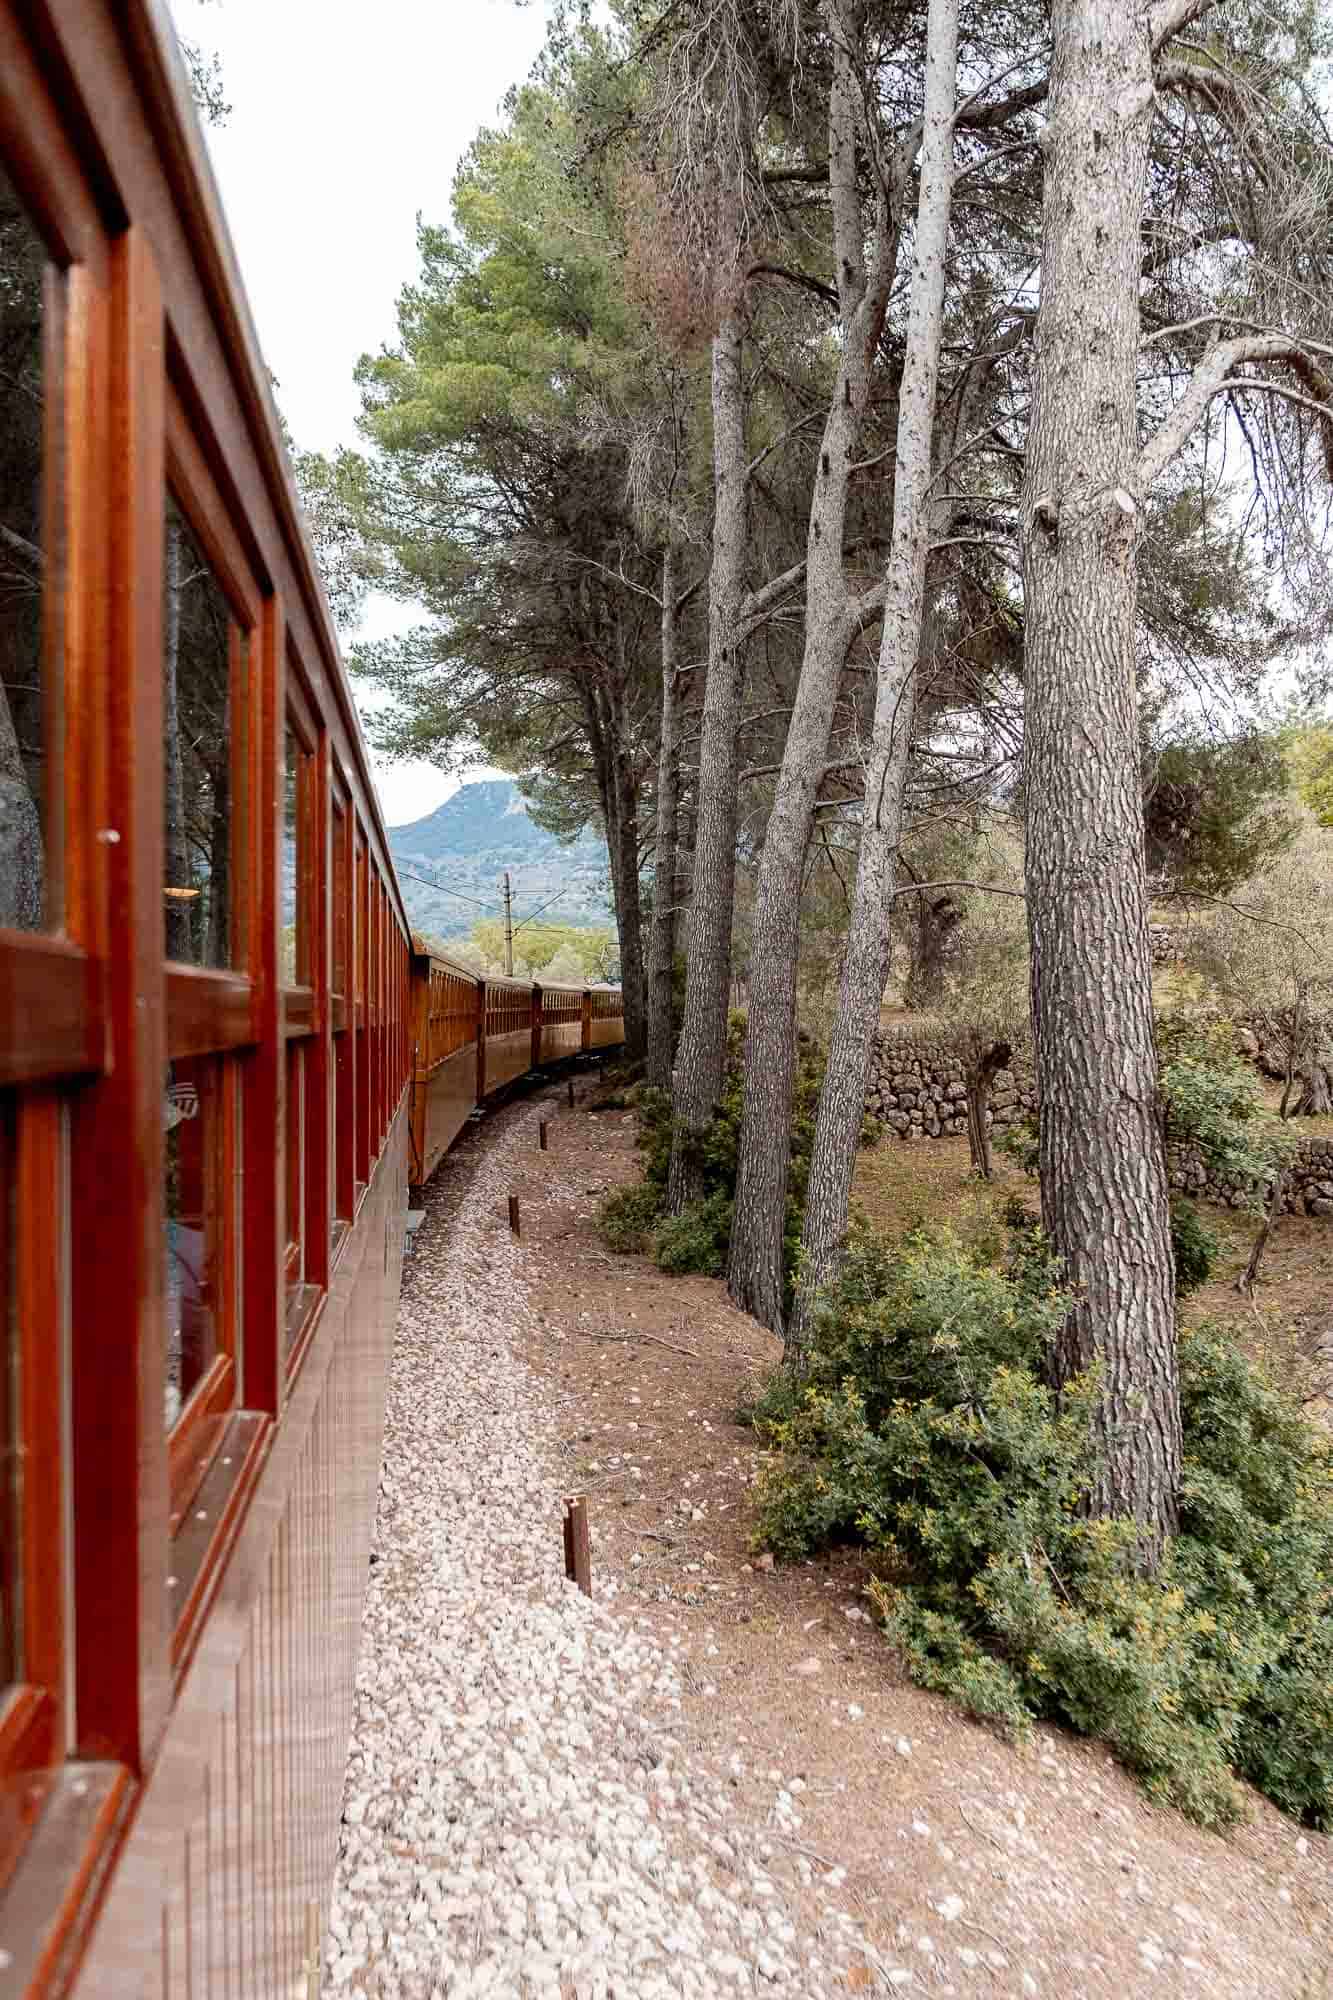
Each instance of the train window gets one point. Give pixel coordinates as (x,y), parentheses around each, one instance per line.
(341,899)
(291,942)
(194,1205)
(295,1157)
(31,312)
(201,647)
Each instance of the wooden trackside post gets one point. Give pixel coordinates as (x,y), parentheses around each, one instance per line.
(578,1548)
(571,1093)
(541,1134)
(513,1215)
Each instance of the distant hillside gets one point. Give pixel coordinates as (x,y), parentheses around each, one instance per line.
(469,841)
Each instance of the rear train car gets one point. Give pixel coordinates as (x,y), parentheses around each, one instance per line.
(474,1035)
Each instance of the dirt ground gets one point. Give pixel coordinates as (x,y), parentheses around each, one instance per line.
(977,1867)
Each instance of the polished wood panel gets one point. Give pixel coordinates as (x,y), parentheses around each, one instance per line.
(443,1101)
(236,1831)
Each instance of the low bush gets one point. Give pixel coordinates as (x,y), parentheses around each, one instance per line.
(1194,1246)
(628,1217)
(697,1239)
(928,1432)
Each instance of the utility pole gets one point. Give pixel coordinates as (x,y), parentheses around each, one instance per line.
(509,928)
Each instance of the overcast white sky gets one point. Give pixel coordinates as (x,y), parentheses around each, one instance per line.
(347,119)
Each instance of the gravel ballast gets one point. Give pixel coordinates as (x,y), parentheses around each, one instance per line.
(521,1817)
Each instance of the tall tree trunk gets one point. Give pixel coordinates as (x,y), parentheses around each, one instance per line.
(937,918)
(865,960)
(661,951)
(1316,1098)
(629,906)
(755,1274)
(701,1052)
(1102,1164)
(177,859)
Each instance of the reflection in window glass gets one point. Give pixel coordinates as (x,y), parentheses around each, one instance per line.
(290,955)
(341,900)
(193,1212)
(196,724)
(10,1649)
(27,298)
(295,1178)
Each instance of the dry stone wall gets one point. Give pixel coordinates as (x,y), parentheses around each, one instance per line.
(1309,1185)
(917,1086)
(917,1091)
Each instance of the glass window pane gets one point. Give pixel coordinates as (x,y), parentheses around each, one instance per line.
(193,1115)
(29,582)
(291,952)
(199,638)
(341,899)
(295,1179)
(10,1561)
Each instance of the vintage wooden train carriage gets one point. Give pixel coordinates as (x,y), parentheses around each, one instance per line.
(473,1035)
(220,1060)
(204,1043)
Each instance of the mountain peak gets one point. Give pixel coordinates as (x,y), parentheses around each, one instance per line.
(468,843)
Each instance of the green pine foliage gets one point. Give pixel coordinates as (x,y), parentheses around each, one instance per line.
(927,1432)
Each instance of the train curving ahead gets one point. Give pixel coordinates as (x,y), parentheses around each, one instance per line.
(222,1060)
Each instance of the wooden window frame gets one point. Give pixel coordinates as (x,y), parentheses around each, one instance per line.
(34,1721)
(342,1062)
(51,989)
(212,1012)
(306,1033)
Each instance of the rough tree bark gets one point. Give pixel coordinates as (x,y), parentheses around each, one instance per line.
(937,918)
(981,1077)
(629,918)
(701,1052)
(865,960)
(661,952)
(1102,1164)
(1249,1277)
(755,1274)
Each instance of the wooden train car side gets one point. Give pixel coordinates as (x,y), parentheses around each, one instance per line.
(220,1061)
(473,1036)
(203,1076)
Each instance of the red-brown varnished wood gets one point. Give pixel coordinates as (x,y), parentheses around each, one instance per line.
(52,1009)
(261,1072)
(209,1011)
(120,1493)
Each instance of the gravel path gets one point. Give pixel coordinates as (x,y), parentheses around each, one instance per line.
(520,1817)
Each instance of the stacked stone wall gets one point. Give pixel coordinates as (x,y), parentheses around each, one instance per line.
(1309,1183)
(917,1090)
(917,1085)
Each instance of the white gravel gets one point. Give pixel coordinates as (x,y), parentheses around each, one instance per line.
(520,1817)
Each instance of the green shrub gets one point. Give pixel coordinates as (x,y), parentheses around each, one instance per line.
(1194,1247)
(697,1240)
(627,1217)
(927,1432)
(1213,1104)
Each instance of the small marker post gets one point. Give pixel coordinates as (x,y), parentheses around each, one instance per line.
(578,1548)
(571,1093)
(513,1215)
